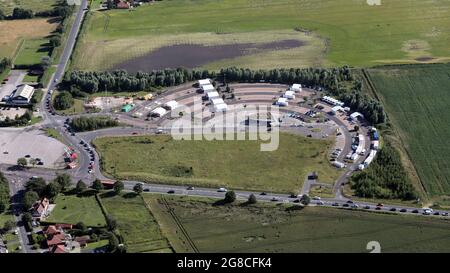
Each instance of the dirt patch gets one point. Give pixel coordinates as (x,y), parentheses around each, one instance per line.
(424,59)
(191,56)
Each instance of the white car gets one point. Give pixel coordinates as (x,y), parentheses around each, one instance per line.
(320,203)
(316,198)
(222,190)
(427,211)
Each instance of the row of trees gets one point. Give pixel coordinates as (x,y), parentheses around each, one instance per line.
(81,124)
(61,10)
(5,63)
(340,82)
(4,193)
(384,178)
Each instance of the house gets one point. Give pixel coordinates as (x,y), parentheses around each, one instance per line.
(55,239)
(123,5)
(289,95)
(23,95)
(158,112)
(72,165)
(57,249)
(51,230)
(296,88)
(282,102)
(171,105)
(40,208)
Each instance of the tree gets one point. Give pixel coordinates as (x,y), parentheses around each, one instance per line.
(36,184)
(63,101)
(22,162)
(45,62)
(29,199)
(64,180)
(138,188)
(118,186)
(27,218)
(52,189)
(252,199)
(9,225)
(2,15)
(81,226)
(97,185)
(230,197)
(55,41)
(33,162)
(111,222)
(81,186)
(305,199)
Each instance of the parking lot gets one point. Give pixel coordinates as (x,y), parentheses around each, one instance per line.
(17,143)
(15,78)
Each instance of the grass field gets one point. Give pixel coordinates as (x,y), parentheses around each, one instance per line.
(13,32)
(71,209)
(35,5)
(336,32)
(271,228)
(234,164)
(32,51)
(417,100)
(135,223)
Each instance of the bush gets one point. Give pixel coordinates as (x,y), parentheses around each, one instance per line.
(63,101)
(82,124)
(230,197)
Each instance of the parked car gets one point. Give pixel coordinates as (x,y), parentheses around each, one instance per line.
(403,210)
(190,188)
(320,203)
(380,205)
(349,202)
(316,198)
(171,191)
(415,211)
(274,199)
(263,193)
(444,214)
(146,190)
(366,207)
(222,190)
(393,209)
(335,204)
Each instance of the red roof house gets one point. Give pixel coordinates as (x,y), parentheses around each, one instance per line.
(39,208)
(56,239)
(123,5)
(58,249)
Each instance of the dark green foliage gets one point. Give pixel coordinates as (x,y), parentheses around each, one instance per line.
(252,199)
(97,185)
(64,180)
(20,13)
(81,186)
(4,193)
(17,121)
(384,178)
(63,101)
(29,198)
(138,188)
(230,197)
(36,184)
(4,64)
(118,187)
(82,124)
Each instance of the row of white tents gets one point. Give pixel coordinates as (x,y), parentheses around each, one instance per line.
(289,95)
(212,95)
(168,106)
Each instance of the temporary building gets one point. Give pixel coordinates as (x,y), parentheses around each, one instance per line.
(208,88)
(356,115)
(170,105)
(216,101)
(289,95)
(211,95)
(127,107)
(336,109)
(222,107)
(282,102)
(370,158)
(159,112)
(296,87)
(332,101)
(204,82)
(361,144)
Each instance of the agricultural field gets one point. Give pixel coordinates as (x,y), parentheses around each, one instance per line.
(15,32)
(195,223)
(265,34)
(7,6)
(234,164)
(135,223)
(32,51)
(417,100)
(71,209)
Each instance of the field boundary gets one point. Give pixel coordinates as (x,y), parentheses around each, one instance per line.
(179,225)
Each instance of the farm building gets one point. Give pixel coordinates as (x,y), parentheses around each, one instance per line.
(222,107)
(171,105)
(282,102)
(23,94)
(296,87)
(332,101)
(211,95)
(208,88)
(127,108)
(356,116)
(289,95)
(159,112)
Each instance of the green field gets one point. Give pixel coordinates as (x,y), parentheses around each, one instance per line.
(32,51)
(417,100)
(135,223)
(35,5)
(71,209)
(336,32)
(234,164)
(274,228)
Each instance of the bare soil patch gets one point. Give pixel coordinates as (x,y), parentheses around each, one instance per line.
(191,56)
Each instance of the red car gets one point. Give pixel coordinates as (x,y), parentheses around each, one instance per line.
(380,205)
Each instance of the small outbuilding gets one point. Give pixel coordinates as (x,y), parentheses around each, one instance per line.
(211,95)
(296,87)
(207,88)
(282,102)
(204,82)
(289,95)
(171,105)
(222,107)
(158,112)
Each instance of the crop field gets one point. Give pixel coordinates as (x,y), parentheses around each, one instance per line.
(277,228)
(135,223)
(417,100)
(7,6)
(32,51)
(71,209)
(14,32)
(331,32)
(234,164)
